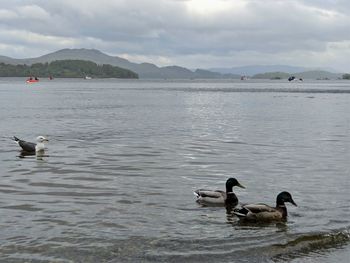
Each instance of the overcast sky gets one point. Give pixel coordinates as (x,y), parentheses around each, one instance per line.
(189,33)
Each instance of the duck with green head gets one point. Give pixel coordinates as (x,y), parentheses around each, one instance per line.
(218,197)
(265,213)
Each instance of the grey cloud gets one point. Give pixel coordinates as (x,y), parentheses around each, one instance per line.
(168,29)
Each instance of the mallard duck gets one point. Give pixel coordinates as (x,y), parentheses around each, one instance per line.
(218,197)
(30,146)
(265,213)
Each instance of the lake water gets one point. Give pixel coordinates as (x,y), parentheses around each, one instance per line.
(116,182)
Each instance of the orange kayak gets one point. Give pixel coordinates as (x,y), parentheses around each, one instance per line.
(32,80)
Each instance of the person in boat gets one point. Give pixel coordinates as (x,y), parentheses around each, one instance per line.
(36,78)
(30,78)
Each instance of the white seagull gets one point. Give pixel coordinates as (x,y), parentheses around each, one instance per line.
(30,147)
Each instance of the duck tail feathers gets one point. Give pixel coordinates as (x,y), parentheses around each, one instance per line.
(241,212)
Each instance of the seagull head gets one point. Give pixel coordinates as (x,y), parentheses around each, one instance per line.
(41,139)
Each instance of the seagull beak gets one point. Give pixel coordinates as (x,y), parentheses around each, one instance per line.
(46,140)
(241,186)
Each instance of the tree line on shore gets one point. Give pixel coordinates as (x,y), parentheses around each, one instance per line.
(66,69)
(346,76)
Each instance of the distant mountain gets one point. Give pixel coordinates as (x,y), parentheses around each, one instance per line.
(318,74)
(272,75)
(8,60)
(314,74)
(144,70)
(258,69)
(201,74)
(149,71)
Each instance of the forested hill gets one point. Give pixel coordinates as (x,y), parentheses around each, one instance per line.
(66,69)
(144,70)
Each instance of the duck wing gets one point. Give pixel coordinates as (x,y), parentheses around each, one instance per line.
(26,146)
(259,213)
(259,208)
(251,210)
(210,193)
(210,197)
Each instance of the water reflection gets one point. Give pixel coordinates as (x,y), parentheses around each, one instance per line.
(24,154)
(310,245)
(39,155)
(120,178)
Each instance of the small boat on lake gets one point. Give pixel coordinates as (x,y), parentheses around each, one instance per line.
(32,80)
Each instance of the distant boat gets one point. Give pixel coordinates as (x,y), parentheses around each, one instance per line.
(88,77)
(32,80)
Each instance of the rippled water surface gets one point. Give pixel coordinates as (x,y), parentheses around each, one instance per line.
(116,182)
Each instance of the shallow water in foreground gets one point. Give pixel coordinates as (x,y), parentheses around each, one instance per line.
(124,157)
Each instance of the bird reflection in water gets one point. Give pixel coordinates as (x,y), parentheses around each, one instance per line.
(39,155)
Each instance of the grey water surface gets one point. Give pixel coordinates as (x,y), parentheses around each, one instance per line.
(116,182)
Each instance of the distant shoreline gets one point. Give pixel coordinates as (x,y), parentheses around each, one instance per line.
(152,71)
(66,69)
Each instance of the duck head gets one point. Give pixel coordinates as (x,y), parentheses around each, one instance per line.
(284,197)
(231,182)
